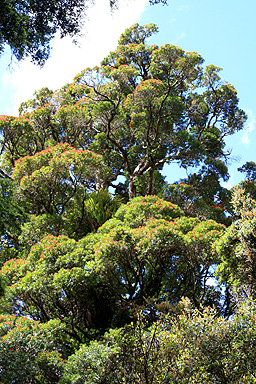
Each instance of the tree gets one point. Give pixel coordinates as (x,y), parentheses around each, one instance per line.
(154,251)
(249,168)
(12,217)
(200,197)
(82,267)
(237,249)
(31,352)
(153,105)
(143,107)
(56,181)
(28,27)
(147,250)
(249,184)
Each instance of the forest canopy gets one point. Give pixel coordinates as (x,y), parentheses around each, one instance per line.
(109,273)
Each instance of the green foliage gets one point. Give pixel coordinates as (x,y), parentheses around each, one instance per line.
(250,169)
(144,106)
(237,247)
(75,222)
(31,352)
(100,207)
(40,226)
(77,266)
(138,210)
(161,259)
(90,364)
(185,196)
(56,281)
(156,105)
(11,218)
(137,34)
(203,198)
(148,250)
(186,346)
(56,181)
(28,27)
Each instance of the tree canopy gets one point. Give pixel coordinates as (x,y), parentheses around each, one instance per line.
(108,273)
(28,27)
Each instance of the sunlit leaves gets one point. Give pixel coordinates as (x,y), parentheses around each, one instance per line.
(137,34)
(53,176)
(55,281)
(137,211)
(236,247)
(31,352)
(151,249)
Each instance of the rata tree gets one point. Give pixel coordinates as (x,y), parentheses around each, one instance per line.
(143,107)
(45,120)
(32,352)
(153,105)
(59,279)
(149,249)
(55,183)
(51,178)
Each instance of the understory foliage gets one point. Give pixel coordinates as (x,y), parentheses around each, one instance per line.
(185,346)
(108,273)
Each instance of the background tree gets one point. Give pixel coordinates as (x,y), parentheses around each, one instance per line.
(198,197)
(249,183)
(28,27)
(236,247)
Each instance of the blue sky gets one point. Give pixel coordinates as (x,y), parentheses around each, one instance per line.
(223,32)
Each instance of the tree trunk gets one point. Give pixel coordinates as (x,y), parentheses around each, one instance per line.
(150,182)
(132,189)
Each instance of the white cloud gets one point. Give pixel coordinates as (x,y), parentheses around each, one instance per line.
(249,128)
(184,8)
(179,38)
(100,35)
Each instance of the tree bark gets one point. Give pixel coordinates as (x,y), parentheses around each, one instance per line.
(132,188)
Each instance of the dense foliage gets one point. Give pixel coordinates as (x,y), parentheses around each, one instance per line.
(108,273)
(28,27)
